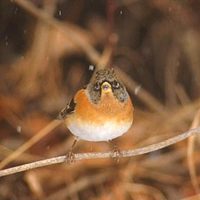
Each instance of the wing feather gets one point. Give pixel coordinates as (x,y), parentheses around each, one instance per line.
(70,108)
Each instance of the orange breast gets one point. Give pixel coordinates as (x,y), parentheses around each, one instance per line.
(109,109)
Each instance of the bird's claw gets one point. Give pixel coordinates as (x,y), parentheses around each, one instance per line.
(116,154)
(70,157)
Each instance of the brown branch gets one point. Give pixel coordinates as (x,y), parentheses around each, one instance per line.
(69,30)
(190,155)
(37,137)
(81,156)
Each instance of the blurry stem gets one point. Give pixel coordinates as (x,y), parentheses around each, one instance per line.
(190,154)
(81,156)
(78,185)
(104,60)
(147,98)
(70,31)
(52,125)
(111,7)
(67,30)
(171,71)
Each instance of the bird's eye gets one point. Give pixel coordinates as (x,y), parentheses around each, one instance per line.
(115,85)
(97,86)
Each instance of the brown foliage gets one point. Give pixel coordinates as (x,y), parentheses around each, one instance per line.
(46,48)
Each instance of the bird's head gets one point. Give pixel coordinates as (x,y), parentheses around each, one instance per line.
(105,82)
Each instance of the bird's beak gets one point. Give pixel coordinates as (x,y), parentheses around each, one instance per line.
(106,87)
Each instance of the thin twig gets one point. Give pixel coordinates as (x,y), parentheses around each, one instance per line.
(46,130)
(190,155)
(81,156)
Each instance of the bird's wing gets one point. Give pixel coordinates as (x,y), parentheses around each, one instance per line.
(67,110)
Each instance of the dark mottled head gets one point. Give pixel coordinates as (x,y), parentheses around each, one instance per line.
(105,81)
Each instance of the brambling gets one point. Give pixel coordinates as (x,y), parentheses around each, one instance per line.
(101,111)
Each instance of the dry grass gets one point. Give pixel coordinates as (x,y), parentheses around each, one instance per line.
(44,57)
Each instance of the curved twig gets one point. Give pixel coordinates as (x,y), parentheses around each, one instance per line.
(81,156)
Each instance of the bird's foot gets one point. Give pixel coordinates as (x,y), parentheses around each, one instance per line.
(70,157)
(116,154)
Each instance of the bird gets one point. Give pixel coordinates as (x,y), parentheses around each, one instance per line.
(101,111)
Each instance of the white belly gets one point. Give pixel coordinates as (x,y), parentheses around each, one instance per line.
(104,132)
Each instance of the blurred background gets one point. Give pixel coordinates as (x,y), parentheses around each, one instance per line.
(47,49)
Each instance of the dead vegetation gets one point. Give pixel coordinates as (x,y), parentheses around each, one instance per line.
(46,48)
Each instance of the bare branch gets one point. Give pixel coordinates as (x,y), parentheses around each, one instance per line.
(190,155)
(42,133)
(81,156)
